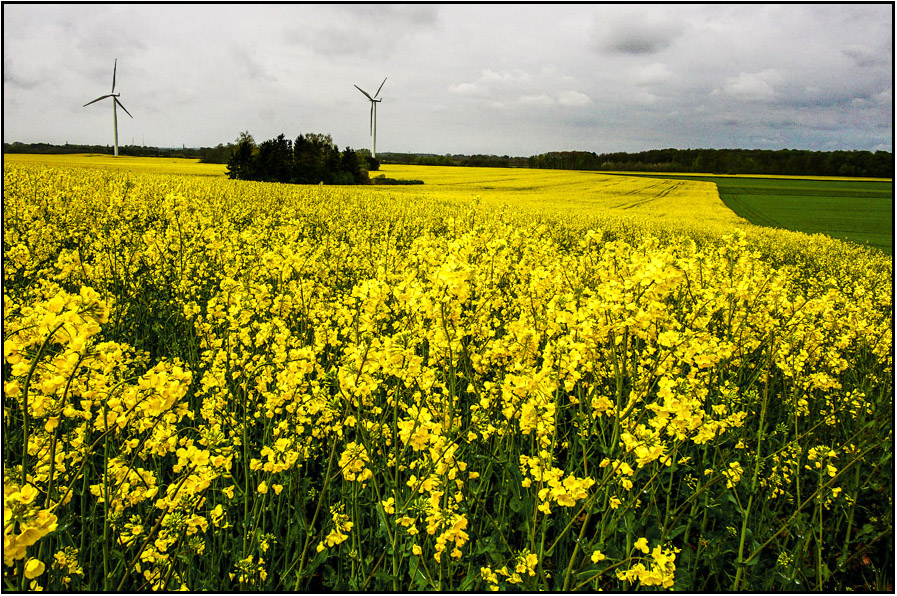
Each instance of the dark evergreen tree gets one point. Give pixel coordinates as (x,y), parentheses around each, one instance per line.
(241,164)
(310,156)
(351,166)
(303,160)
(274,162)
(332,166)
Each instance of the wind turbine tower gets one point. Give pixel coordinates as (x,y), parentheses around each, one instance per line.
(374,102)
(115,104)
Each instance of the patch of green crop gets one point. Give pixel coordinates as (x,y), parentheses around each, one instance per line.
(860,211)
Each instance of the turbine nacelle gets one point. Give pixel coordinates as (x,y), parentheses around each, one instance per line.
(115,97)
(357,87)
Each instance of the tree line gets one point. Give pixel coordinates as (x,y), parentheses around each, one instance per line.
(131,150)
(219,154)
(312,158)
(793,162)
(432,159)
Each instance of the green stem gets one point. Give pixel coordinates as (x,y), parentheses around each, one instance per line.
(819,578)
(757,458)
(740,560)
(569,574)
(106,497)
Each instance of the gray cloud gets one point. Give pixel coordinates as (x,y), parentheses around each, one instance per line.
(638,40)
(17,77)
(863,55)
(362,29)
(635,30)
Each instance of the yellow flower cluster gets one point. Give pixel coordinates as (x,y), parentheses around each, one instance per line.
(24,522)
(660,570)
(66,564)
(551,482)
(352,462)
(339,531)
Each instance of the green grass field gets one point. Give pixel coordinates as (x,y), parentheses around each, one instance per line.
(861,211)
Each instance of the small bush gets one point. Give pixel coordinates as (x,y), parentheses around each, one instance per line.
(381,179)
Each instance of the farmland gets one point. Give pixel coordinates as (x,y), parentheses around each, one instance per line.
(858,210)
(514,380)
(148,165)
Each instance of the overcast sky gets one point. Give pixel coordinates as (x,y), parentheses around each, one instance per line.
(499,79)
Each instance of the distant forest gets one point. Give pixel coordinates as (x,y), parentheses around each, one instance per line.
(431,159)
(795,162)
(132,150)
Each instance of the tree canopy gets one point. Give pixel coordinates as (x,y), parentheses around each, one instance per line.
(312,158)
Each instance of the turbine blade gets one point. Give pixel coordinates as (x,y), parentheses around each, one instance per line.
(380,87)
(363,91)
(372,118)
(123,107)
(96,100)
(114,68)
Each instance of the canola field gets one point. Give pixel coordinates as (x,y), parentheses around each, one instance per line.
(122,163)
(511,381)
(544,191)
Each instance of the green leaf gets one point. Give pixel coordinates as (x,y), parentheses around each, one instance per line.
(629,520)
(468,582)
(384,576)
(420,580)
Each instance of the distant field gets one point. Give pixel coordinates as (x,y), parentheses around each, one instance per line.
(148,165)
(859,210)
(586,193)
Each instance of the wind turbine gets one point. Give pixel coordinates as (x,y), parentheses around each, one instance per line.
(374,102)
(115,103)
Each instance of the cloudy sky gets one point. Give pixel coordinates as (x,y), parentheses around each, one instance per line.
(500,78)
